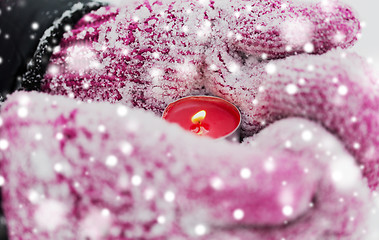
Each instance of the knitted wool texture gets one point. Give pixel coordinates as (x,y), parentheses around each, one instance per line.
(151,54)
(102,171)
(148,55)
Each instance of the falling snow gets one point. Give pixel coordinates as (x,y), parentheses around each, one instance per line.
(119,172)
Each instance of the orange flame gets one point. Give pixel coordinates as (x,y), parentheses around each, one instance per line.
(198,117)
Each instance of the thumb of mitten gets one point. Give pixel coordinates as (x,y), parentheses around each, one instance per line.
(277,29)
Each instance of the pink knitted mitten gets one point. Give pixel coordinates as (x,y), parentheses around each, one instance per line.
(149,54)
(101,171)
(134,176)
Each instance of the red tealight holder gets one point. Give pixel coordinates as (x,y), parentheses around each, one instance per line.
(205,116)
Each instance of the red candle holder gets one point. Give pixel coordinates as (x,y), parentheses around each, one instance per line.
(205,116)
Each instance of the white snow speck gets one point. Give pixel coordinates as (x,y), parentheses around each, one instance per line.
(238,214)
(67,28)
(136,180)
(271,68)
(269,165)
(287,211)
(33,196)
(4,144)
(310,68)
(22,112)
(342,90)
(58,167)
(111,161)
(309,48)
(53,70)
(213,67)
(125,51)
(245,173)
(59,136)
(291,89)
(56,49)
(149,194)
(169,196)
(101,128)
(216,183)
(87,18)
(35,25)
(105,212)
(339,37)
(233,67)
(302,81)
(200,230)
(161,220)
(2,181)
(307,135)
(345,174)
(126,148)
(156,54)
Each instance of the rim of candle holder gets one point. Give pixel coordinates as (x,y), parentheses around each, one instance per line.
(233,135)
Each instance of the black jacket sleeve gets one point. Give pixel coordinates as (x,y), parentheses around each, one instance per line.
(28,30)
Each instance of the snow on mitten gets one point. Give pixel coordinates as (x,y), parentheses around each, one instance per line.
(145,55)
(277,28)
(102,171)
(337,90)
(149,54)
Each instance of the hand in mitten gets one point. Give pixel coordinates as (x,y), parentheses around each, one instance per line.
(101,171)
(340,92)
(153,54)
(149,54)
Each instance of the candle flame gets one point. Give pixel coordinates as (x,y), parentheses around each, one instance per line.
(198,117)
